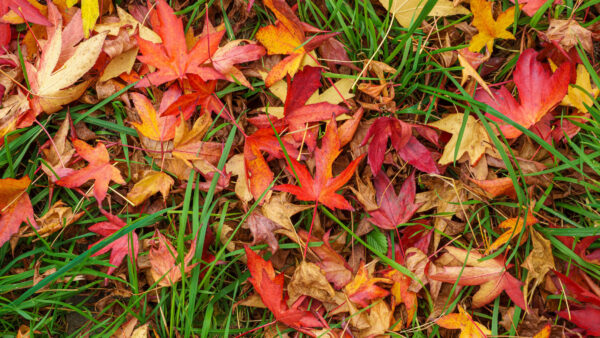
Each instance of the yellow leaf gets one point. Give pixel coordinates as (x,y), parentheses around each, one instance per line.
(489,29)
(405,11)
(463,321)
(474,142)
(153,182)
(514,226)
(89,13)
(580,94)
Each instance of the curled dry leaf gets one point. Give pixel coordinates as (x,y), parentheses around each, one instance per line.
(309,280)
(58,217)
(263,230)
(150,184)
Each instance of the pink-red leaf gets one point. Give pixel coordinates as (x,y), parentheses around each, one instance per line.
(120,247)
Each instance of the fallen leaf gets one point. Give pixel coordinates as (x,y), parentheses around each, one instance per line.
(539,261)
(270,288)
(489,29)
(99,169)
(53,88)
(90,13)
(463,321)
(474,142)
(15,207)
(532,6)
(153,125)
(172,58)
(263,230)
(120,247)
(569,33)
(309,280)
(58,217)
(581,95)
(394,209)
(407,146)
(406,11)
(514,228)
(539,89)
(363,288)
(490,274)
(336,269)
(324,186)
(150,184)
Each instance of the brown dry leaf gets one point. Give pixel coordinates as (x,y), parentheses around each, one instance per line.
(474,143)
(280,210)
(127,21)
(122,63)
(309,280)
(58,217)
(446,196)
(153,182)
(539,261)
(365,192)
(417,261)
(569,33)
(405,11)
(263,230)
(380,319)
(237,167)
(469,70)
(188,144)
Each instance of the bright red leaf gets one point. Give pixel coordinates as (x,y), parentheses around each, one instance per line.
(323,187)
(99,170)
(270,288)
(539,89)
(120,247)
(407,146)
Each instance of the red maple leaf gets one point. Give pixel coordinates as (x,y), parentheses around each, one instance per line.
(99,170)
(172,58)
(15,207)
(270,288)
(120,247)
(322,189)
(25,10)
(393,209)
(585,315)
(200,93)
(258,173)
(298,115)
(539,89)
(407,146)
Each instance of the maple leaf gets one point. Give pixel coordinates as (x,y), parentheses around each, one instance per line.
(232,53)
(587,315)
(363,288)
(24,11)
(532,6)
(407,146)
(150,184)
(324,186)
(163,262)
(172,58)
(400,290)
(475,140)
(201,93)
(490,274)
(581,95)
(153,125)
(539,89)
(263,230)
(514,227)
(53,88)
(463,321)
(393,209)
(334,266)
(120,247)
(489,29)
(15,207)
(287,37)
(270,288)
(258,173)
(99,169)
(407,11)
(189,145)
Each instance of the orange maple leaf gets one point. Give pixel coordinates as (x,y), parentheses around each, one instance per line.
(99,170)
(489,29)
(469,328)
(363,288)
(15,207)
(172,58)
(324,186)
(153,126)
(286,37)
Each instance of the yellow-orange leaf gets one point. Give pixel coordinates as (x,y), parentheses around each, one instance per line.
(153,182)
(463,321)
(489,29)
(514,226)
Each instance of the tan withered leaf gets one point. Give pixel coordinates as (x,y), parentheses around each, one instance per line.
(309,280)
(569,33)
(468,70)
(58,217)
(53,87)
(474,143)
(188,144)
(539,261)
(406,11)
(153,182)
(280,210)
(236,167)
